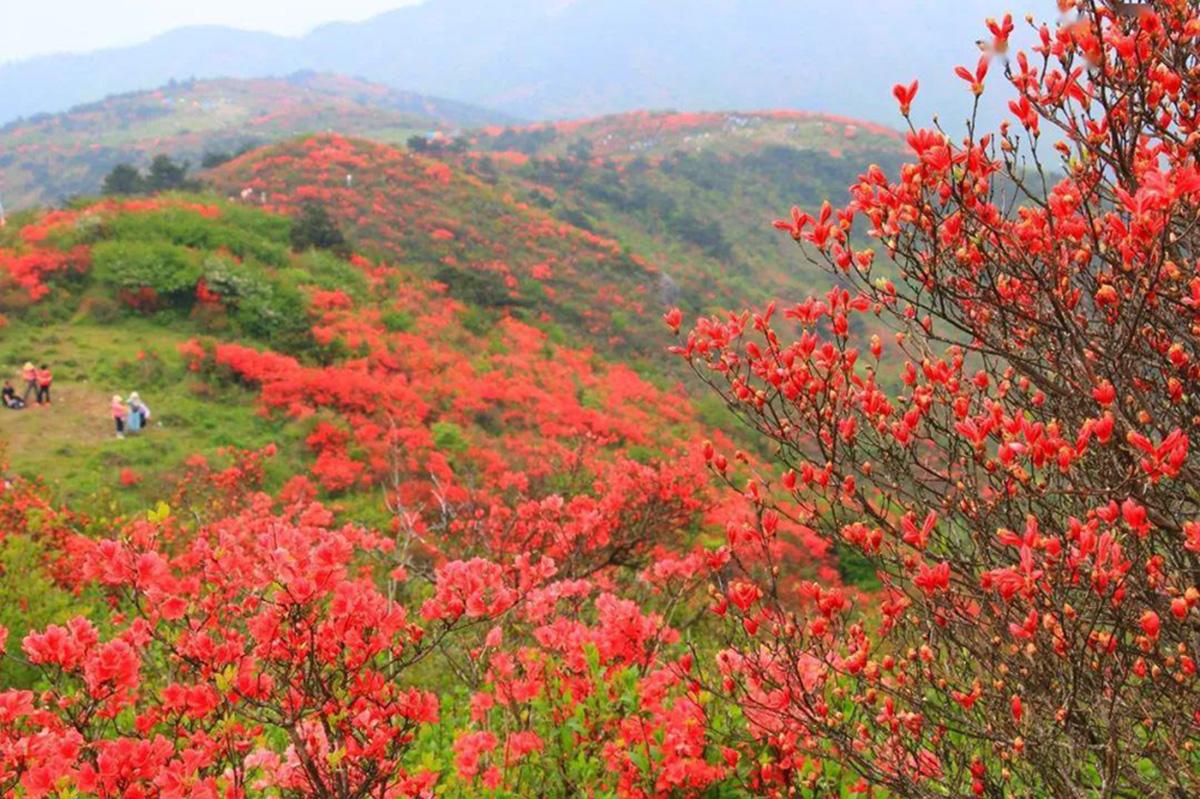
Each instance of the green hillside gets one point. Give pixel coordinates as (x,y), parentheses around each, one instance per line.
(695,192)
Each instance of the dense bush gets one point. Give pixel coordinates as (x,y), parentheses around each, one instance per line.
(163,174)
(314,228)
(258,236)
(479,288)
(169,270)
(229,266)
(327,271)
(265,308)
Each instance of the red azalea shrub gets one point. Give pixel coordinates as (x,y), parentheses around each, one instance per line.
(1025,490)
(30,269)
(275,658)
(256,648)
(469,457)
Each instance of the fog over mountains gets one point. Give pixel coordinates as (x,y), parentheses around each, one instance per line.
(568,58)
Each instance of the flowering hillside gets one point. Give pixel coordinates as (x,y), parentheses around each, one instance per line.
(596,246)
(688,192)
(487,245)
(656,134)
(443,501)
(414,517)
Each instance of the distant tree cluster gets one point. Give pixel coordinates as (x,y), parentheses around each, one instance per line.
(163,174)
(524,140)
(436,145)
(315,229)
(214,158)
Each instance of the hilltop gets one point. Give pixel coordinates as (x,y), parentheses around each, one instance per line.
(50,157)
(655,134)
(694,191)
(486,244)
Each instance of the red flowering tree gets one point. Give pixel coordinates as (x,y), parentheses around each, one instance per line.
(1024,486)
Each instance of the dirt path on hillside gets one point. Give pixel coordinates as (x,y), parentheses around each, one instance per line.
(78,415)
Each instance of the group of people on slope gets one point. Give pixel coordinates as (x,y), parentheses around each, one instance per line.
(37,382)
(129,415)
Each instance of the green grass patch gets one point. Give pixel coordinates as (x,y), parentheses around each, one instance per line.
(72,443)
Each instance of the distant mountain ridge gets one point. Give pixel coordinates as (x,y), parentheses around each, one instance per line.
(541,59)
(51,157)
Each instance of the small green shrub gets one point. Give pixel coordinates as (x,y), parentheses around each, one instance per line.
(329,272)
(314,228)
(397,321)
(100,308)
(448,437)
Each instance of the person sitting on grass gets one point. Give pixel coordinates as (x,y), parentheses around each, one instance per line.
(118,415)
(44,378)
(11,400)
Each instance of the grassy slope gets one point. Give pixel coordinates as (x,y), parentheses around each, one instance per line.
(99,347)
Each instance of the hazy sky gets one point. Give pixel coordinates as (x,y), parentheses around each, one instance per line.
(36,27)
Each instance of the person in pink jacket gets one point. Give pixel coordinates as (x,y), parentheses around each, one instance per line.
(118,414)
